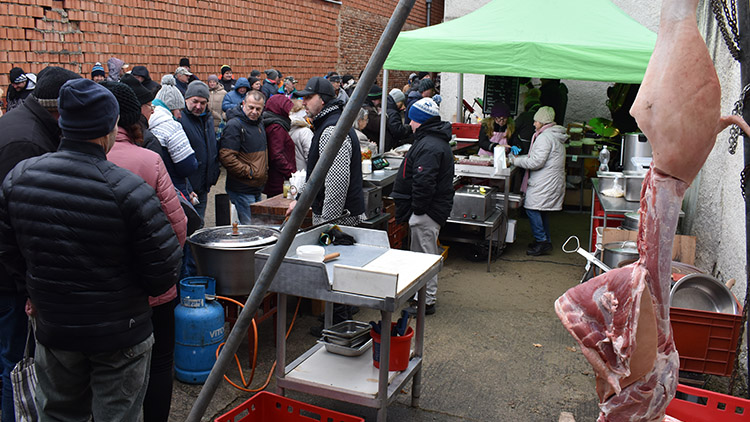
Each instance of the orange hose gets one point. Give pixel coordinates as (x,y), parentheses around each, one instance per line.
(255,352)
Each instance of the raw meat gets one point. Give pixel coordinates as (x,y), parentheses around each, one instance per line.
(621,318)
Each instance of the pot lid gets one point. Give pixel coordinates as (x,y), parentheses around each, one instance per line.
(235,236)
(627,247)
(632,219)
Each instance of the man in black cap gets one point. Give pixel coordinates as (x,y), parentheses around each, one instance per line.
(372,106)
(335,80)
(227,78)
(145,97)
(21,85)
(27,131)
(89,242)
(185,62)
(269,87)
(144,77)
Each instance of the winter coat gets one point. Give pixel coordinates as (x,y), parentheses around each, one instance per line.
(243,153)
(182,86)
(397,133)
(424,183)
(524,129)
(216,98)
(342,96)
(546,165)
(233,98)
(281,162)
(15,98)
(174,147)
(343,185)
(268,89)
(302,137)
(90,242)
(114,65)
(26,131)
(150,167)
(412,97)
(227,85)
(200,133)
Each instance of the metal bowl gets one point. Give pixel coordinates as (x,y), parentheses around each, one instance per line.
(704,293)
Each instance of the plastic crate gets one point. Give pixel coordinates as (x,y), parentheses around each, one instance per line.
(706,341)
(266,407)
(696,405)
(466,130)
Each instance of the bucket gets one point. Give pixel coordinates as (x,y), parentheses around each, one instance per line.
(400,349)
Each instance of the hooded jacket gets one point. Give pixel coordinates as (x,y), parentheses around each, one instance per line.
(281,162)
(233,97)
(174,147)
(101,245)
(302,137)
(424,183)
(268,89)
(215,100)
(15,98)
(412,97)
(114,65)
(200,133)
(397,133)
(546,165)
(243,153)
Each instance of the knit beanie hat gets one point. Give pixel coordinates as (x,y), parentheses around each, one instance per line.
(421,75)
(17,75)
(48,84)
(87,110)
(98,70)
(224,69)
(426,84)
(143,94)
(423,110)
(375,92)
(397,95)
(255,73)
(500,110)
(272,74)
(251,80)
(545,115)
(130,108)
(141,71)
(169,94)
(213,78)
(197,89)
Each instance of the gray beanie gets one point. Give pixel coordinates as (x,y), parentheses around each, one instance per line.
(169,94)
(397,95)
(197,89)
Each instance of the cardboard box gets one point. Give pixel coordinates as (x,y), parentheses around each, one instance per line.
(683,248)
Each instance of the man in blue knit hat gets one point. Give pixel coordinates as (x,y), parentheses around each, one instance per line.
(88,242)
(423,191)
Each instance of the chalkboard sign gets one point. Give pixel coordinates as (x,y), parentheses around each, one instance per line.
(501,89)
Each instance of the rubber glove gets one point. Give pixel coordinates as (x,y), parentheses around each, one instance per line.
(515,150)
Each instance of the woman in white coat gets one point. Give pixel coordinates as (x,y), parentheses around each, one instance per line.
(544,180)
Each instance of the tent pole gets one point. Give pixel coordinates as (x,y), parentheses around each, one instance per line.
(383,109)
(314,183)
(459,99)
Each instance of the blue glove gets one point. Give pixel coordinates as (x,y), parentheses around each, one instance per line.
(515,150)
(437,98)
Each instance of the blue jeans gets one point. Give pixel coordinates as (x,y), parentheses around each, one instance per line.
(539,221)
(242,202)
(13,326)
(110,386)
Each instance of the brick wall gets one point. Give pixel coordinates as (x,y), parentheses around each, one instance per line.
(302,38)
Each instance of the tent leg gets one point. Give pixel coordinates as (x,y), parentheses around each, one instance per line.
(383,109)
(459,99)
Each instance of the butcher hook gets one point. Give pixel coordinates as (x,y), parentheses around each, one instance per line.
(589,257)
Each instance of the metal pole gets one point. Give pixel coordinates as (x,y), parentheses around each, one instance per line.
(460,98)
(429,11)
(317,178)
(743,21)
(383,110)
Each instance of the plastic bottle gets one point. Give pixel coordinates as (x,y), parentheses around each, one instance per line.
(604,159)
(366,166)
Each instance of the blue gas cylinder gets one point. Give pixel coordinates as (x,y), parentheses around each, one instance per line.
(199,329)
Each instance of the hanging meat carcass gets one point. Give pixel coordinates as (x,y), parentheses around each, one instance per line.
(621,318)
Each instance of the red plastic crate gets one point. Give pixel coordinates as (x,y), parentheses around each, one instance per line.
(466,130)
(706,341)
(696,405)
(266,407)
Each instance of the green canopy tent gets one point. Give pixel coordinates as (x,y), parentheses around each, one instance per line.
(572,39)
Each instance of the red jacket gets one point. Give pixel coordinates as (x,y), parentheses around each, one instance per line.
(281,159)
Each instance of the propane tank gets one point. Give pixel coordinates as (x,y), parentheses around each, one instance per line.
(199,329)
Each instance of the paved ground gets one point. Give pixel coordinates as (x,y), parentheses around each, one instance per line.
(494,351)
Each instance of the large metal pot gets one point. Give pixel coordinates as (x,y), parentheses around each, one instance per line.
(616,252)
(634,145)
(227,253)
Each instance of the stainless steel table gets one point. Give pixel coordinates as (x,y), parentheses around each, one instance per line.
(351,379)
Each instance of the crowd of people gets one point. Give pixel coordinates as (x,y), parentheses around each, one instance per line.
(107,175)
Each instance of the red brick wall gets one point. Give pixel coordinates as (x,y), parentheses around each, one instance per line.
(302,38)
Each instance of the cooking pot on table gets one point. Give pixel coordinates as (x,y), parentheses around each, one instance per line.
(704,293)
(227,253)
(616,252)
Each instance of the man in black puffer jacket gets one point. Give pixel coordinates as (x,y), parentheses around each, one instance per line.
(423,191)
(89,242)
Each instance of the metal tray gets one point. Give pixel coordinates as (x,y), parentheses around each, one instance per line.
(348,342)
(346,351)
(347,329)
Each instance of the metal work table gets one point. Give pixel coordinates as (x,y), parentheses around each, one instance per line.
(387,178)
(351,379)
